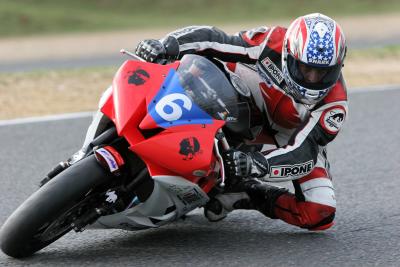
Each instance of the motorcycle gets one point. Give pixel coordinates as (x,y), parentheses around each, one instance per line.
(151,155)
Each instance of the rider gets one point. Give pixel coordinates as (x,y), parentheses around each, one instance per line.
(295,78)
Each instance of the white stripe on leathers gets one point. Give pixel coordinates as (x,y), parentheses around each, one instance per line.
(319,190)
(252,52)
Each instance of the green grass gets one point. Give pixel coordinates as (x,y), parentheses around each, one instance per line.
(24,17)
(390,51)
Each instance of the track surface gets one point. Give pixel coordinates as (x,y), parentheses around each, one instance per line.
(365,161)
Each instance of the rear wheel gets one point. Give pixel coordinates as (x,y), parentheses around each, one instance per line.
(49,213)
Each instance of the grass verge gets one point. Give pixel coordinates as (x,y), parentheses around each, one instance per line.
(27,17)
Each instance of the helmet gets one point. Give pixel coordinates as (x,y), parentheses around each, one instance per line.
(312,58)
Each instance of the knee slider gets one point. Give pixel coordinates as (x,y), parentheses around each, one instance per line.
(323,223)
(318,217)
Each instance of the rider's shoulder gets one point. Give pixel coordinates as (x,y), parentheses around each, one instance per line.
(337,93)
(275,37)
(258,35)
(255,36)
(277,34)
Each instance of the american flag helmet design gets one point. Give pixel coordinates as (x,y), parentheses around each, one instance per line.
(317,42)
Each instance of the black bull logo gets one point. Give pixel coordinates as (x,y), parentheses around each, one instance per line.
(189,147)
(138,77)
(335,120)
(337,117)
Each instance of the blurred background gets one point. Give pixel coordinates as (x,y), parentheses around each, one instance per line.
(59,56)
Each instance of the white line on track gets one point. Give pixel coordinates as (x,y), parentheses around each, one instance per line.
(78,115)
(374,88)
(67,116)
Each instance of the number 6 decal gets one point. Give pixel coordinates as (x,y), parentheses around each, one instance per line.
(168,101)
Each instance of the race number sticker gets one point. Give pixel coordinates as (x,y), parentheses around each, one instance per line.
(332,119)
(172,106)
(171,111)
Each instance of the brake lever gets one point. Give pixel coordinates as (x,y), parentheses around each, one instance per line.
(225,145)
(126,52)
(160,61)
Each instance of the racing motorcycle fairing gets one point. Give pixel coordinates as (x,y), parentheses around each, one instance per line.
(182,150)
(172,197)
(172,106)
(134,84)
(150,97)
(170,115)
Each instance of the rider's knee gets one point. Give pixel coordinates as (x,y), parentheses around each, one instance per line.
(320,218)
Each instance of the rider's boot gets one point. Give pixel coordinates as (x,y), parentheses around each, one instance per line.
(248,194)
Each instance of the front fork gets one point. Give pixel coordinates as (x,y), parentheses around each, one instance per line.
(220,137)
(104,138)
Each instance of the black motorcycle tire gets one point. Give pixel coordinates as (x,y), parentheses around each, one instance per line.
(18,235)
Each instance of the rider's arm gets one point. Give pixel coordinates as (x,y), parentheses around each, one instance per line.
(245,46)
(299,157)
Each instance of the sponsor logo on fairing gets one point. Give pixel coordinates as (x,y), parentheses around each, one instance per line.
(283,171)
(189,147)
(138,77)
(191,197)
(107,158)
(172,106)
(231,119)
(332,119)
(110,159)
(272,69)
(111,196)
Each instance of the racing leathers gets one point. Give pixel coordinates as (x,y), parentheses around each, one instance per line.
(299,132)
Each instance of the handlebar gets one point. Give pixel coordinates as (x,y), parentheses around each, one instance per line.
(126,52)
(160,61)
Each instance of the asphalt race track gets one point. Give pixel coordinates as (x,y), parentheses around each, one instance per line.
(365,161)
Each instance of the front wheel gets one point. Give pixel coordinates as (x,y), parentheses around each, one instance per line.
(47,214)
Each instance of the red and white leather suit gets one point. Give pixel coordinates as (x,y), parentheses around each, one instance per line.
(300,132)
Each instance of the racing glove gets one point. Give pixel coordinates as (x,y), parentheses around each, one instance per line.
(157,51)
(242,164)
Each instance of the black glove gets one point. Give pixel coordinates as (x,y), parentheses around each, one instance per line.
(242,164)
(157,51)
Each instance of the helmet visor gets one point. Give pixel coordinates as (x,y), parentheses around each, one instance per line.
(311,76)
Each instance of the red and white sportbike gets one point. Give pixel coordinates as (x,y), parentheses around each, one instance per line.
(151,155)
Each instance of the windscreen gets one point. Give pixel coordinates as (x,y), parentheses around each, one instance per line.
(208,87)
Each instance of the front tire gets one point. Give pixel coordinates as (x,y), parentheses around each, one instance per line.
(22,233)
